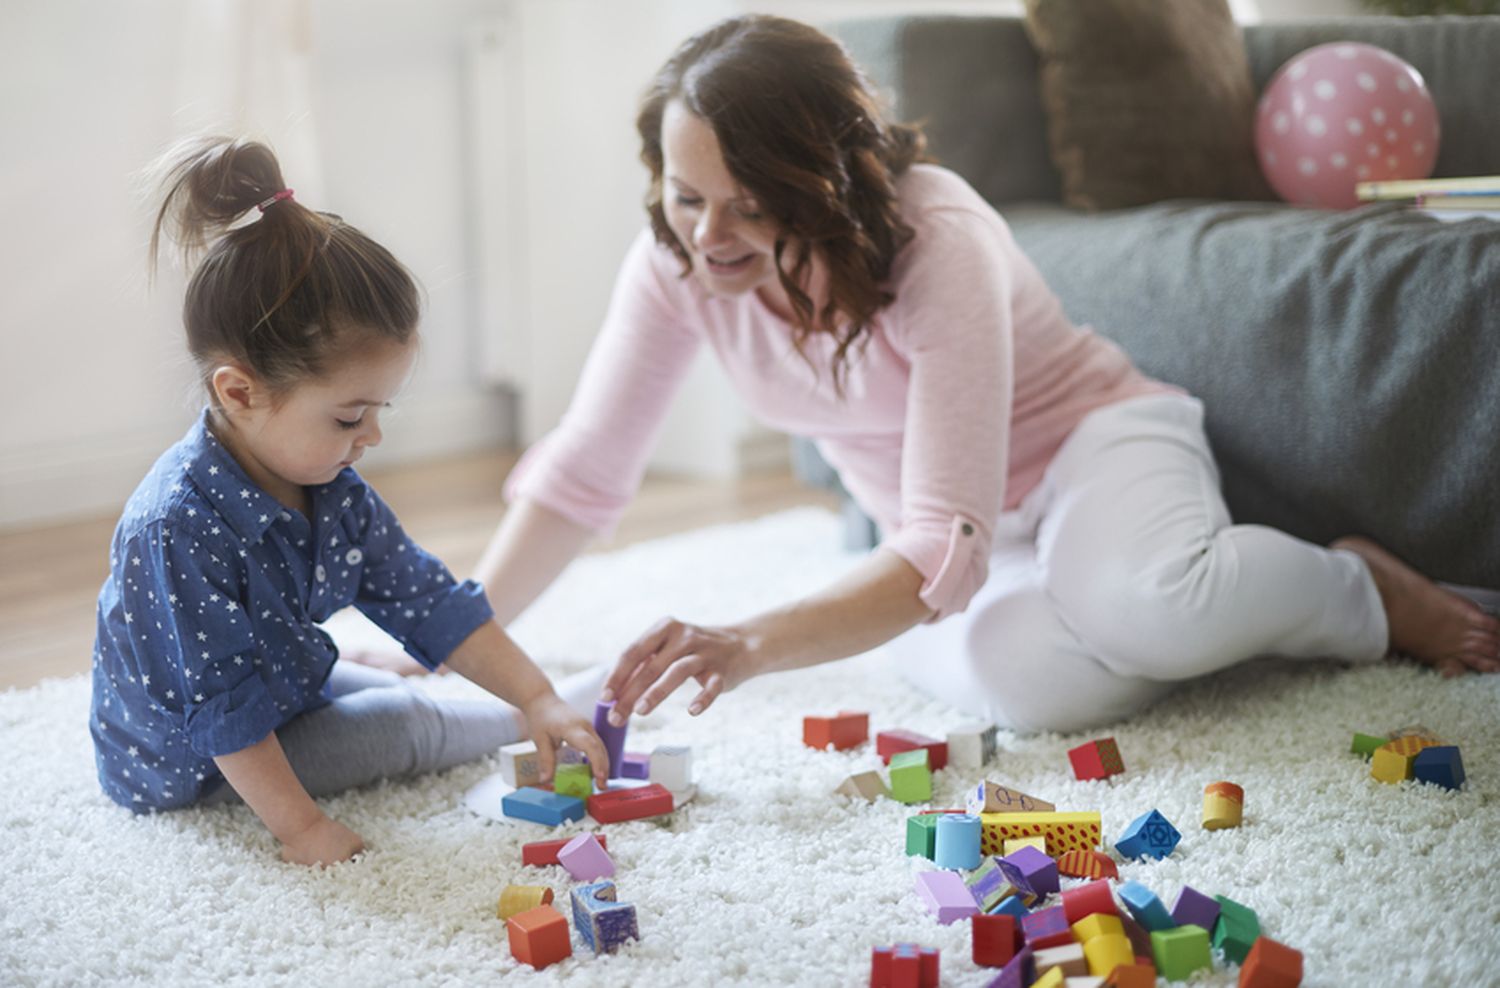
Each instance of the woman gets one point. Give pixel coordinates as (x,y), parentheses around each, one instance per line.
(1056,552)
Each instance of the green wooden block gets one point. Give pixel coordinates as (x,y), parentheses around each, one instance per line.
(573,780)
(1365,744)
(1236,929)
(1180,951)
(911,779)
(921,835)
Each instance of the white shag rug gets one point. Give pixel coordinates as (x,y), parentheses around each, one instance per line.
(766,878)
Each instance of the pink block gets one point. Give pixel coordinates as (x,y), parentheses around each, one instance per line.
(585,859)
(946,895)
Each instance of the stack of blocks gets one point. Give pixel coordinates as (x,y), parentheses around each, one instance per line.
(1417,756)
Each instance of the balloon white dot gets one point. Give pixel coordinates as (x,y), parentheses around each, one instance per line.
(1316,126)
(1338,160)
(1354,126)
(1281,122)
(1366,82)
(1325,89)
(1307,166)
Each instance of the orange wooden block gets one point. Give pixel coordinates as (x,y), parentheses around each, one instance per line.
(1087,864)
(847,730)
(539,937)
(1132,976)
(1271,965)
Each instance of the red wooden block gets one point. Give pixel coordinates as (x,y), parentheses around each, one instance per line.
(888,743)
(618,805)
(544,852)
(846,730)
(1096,759)
(904,965)
(1087,864)
(1085,900)
(539,936)
(994,939)
(1271,965)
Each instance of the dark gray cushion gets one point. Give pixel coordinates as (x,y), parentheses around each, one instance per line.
(1349,362)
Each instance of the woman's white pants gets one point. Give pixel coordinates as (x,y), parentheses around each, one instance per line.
(1121,575)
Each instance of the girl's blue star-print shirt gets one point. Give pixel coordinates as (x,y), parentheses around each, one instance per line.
(208,634)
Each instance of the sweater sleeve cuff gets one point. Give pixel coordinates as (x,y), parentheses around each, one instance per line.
(461,612)
(533,477)
(954,563)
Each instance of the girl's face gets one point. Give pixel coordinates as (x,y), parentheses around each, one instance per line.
(730,242)
(320,427)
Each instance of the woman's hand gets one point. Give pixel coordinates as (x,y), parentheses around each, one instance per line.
(551,722)
(663,658)
(323,842)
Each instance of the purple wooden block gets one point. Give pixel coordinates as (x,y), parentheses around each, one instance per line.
(1196,908)
(635,765)
(612,736)
(1020,972)
(585,859)
(1046,928)
(1031,871)
(946,895)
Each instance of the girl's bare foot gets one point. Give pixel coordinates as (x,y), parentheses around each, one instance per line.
(1432,625)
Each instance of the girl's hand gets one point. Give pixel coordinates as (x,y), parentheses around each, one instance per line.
(551,722)
(664,657)
(324,842)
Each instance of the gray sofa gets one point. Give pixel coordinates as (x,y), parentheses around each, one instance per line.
(1349,361)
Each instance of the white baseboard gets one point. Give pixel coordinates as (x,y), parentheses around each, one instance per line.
(94,475)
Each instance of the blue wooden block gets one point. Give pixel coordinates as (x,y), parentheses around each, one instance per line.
(603,922)
(1149,835)
(1442,766)
(1011,906)
(541,806)
(1146,907)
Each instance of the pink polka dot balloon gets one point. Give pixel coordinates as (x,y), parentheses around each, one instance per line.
(1344,113)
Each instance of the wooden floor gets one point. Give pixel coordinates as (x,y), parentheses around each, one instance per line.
(50,577)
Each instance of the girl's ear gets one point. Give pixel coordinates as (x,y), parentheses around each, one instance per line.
(236,388)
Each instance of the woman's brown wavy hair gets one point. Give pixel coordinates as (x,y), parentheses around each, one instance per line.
(801,131)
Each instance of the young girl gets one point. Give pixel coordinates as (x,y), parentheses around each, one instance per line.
(211,677)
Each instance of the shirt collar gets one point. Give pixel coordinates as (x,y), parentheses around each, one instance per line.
(240,501)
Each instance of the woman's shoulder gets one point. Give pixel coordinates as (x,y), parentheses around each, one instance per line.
(927,189)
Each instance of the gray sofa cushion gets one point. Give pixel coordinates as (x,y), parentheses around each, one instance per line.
(1349,362)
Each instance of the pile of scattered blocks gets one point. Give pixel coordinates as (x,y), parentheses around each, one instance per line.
(1411,753)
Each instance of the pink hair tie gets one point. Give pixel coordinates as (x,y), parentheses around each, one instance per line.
(273,200)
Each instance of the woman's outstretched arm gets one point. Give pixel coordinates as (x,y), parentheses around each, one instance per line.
(529,549)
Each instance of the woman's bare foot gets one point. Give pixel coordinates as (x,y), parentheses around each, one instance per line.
(1432,625)
(391,661)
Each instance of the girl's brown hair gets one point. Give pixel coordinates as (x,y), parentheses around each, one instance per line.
(286,293)
(801,131)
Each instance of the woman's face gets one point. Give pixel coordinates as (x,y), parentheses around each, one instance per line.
(730,241)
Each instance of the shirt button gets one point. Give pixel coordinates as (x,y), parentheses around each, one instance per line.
(353,557)
(967,529)
(321,573)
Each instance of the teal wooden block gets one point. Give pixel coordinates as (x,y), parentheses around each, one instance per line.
(573,780)
(1147,909)
(1181,951)
(1236,930)
(921,835)
(911,779)
(541,806)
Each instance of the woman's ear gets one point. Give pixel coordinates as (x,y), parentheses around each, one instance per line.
(236,389)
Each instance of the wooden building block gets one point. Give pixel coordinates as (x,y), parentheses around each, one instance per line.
(995,939)
(1196,908)
(1271,965)
(1099,925)
(1096,759)
(971,746)
(1087,864)
(946,896)
(519,898)
(1063,831)
(1054,978)
(573,780)
(619,805)
(1364,745)
(957,844)
(1131,976)
(539,936)
(672,767)
(847,729)
(921,835)
(992,797)
(520,765)
(1237,929)
(1046,928)
(544,852)
(1148,836)
(1028,869)
(1441,765)
(1223,805)
(888,743)
(1146,908)
(635,765)
(1019,973)
(904,965)
(1011,905)
(1107,952)
(868,786)
(1393,760)
(1016,843)
(1067,957)
(987,884)
(1181,951)
(911,777)
(541,806)
(586,859)
(1091,899)
(603,922)
(1087,981)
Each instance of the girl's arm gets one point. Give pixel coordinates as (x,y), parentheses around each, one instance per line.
(530,548)
(873,603)
(265,781)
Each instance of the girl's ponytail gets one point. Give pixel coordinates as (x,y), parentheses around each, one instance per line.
(210,183)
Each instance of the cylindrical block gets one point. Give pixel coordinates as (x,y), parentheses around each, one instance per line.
(957,844)
(1223,805)
(612,736)
(519,898)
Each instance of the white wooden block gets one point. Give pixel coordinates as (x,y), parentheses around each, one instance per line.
(971,746)
(672,766)
(519,764)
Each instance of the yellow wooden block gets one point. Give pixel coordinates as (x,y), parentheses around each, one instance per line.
(519,898)
(1223,805)
(1014,845)
(1052,979)
(1393,762)
(1063,831)
(1097,925)
(1107,952)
